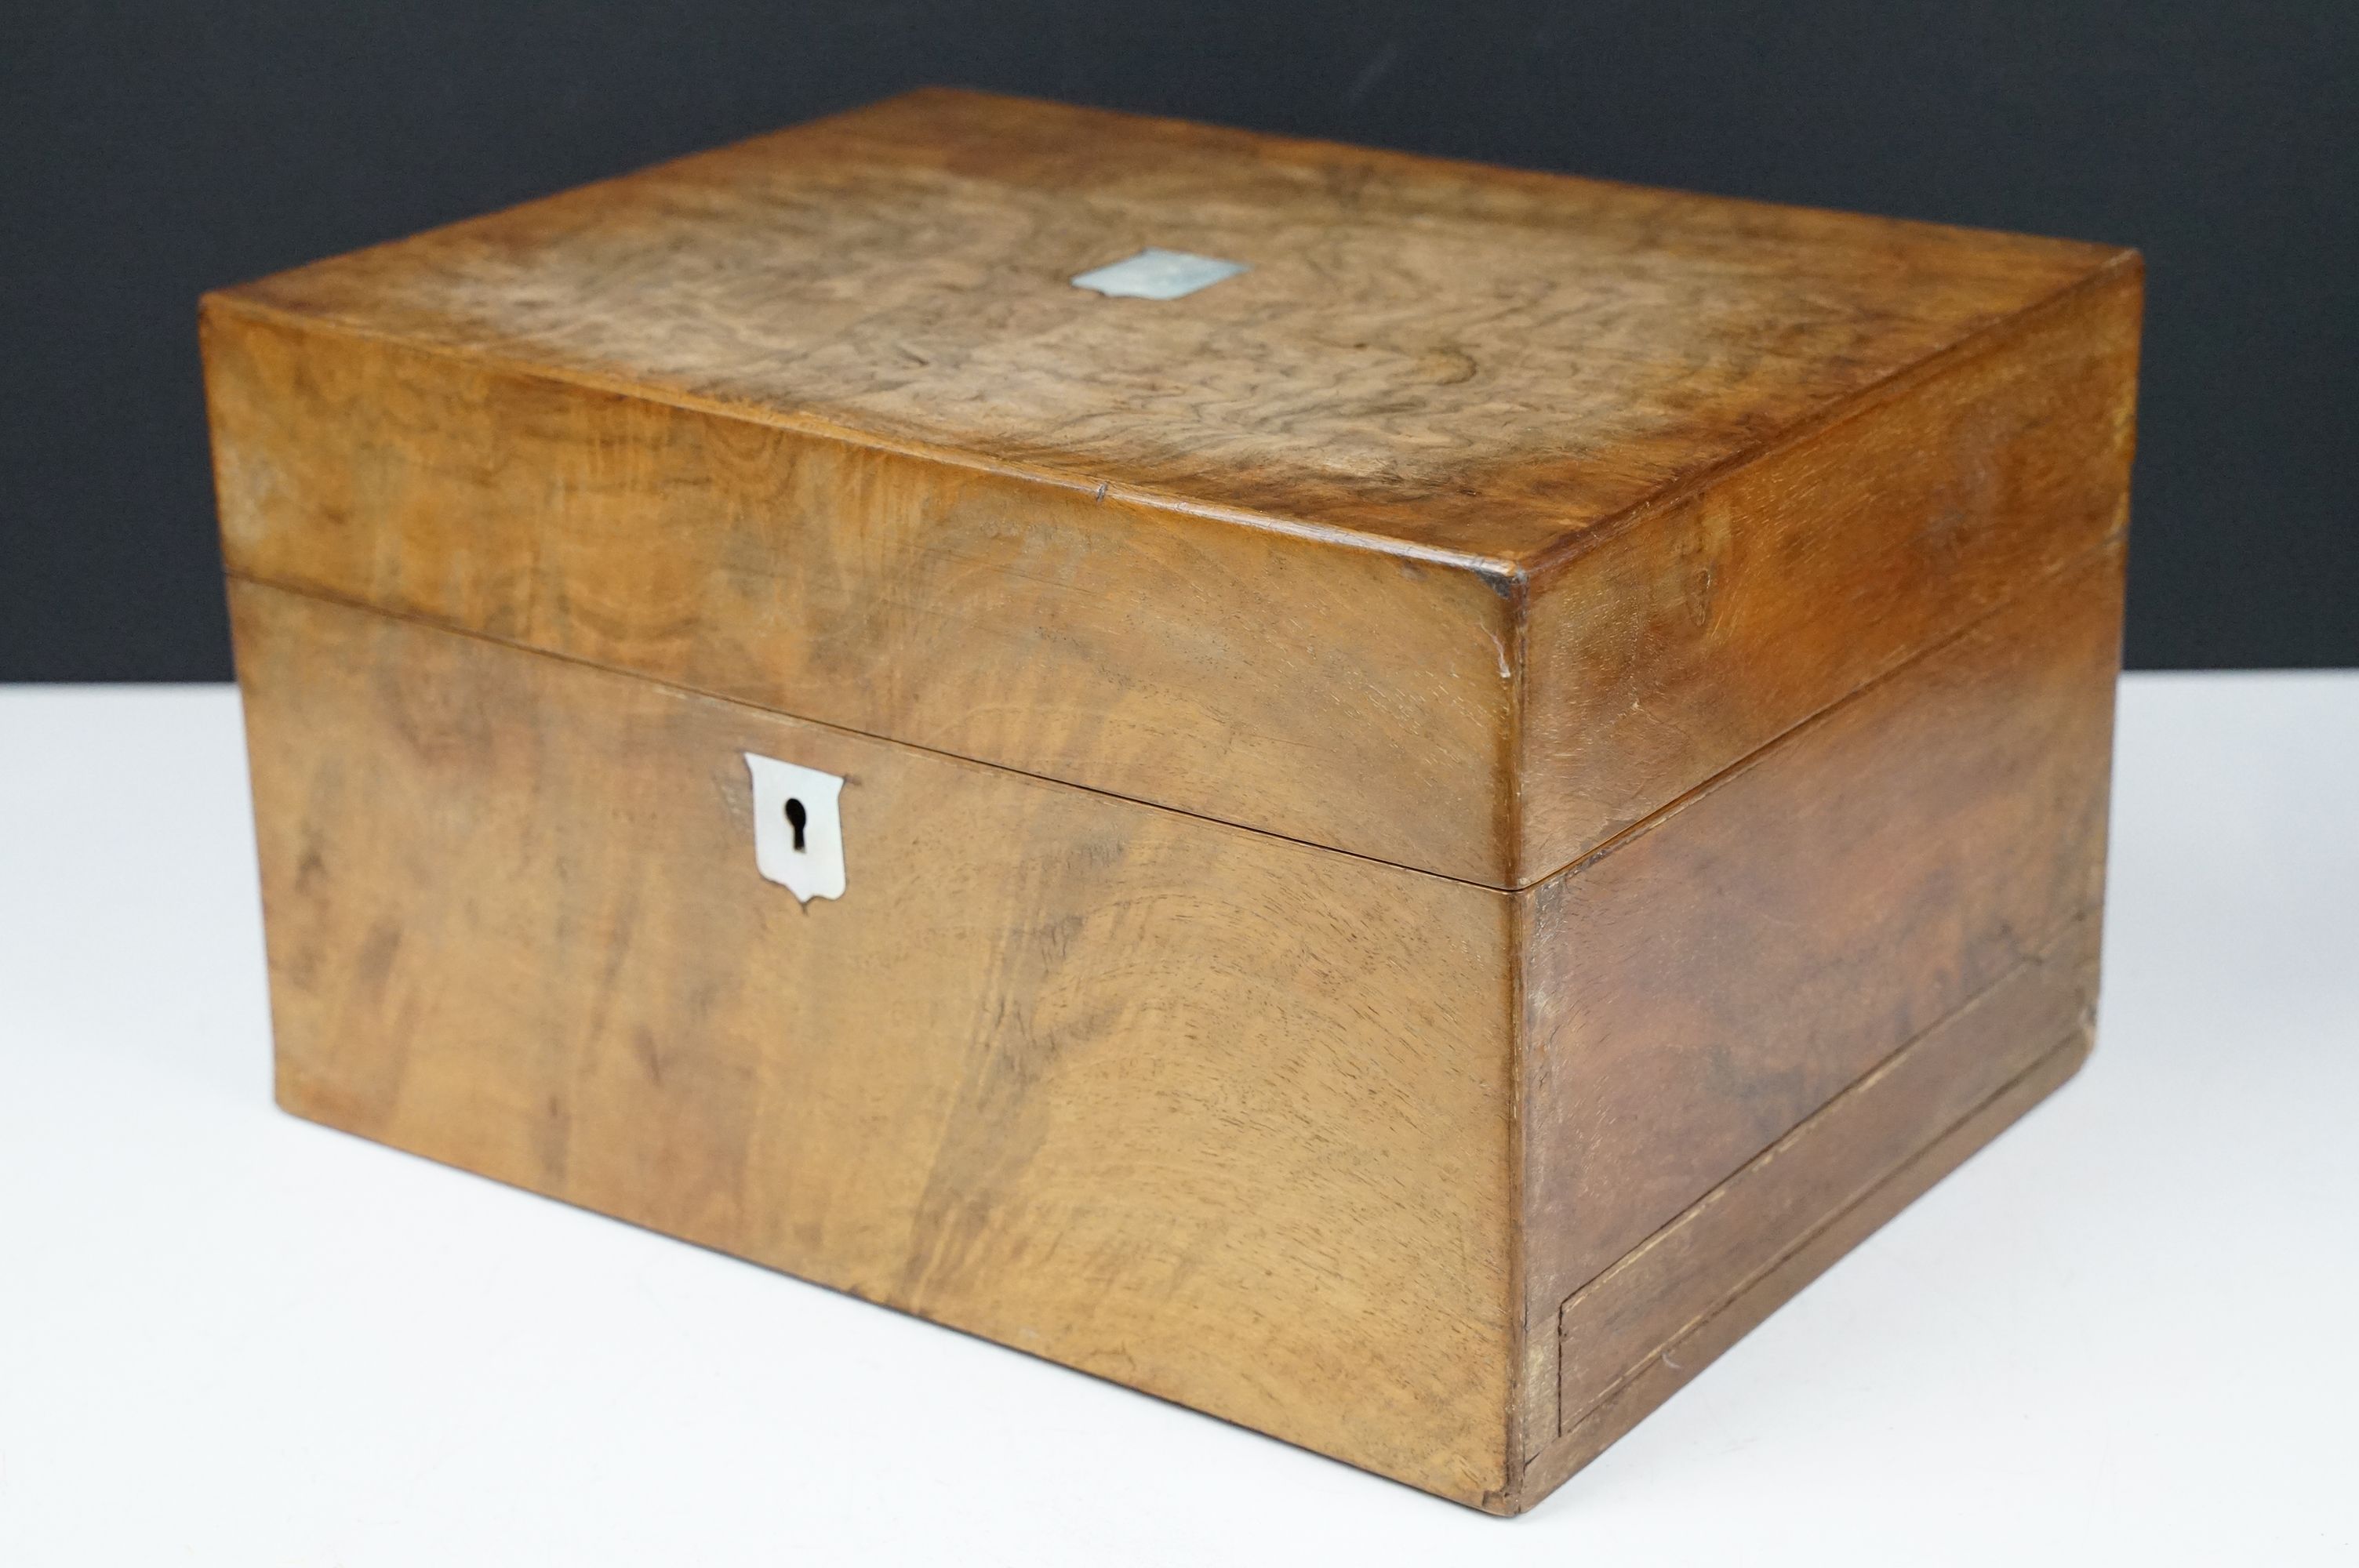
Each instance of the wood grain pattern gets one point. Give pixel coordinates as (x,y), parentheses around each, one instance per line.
(1687,1356)
(1731,613)
(1697,990)
(1209,1112)
(1693,622)
(1332,694)
(1743,1229)
(1219,1116)
(1463,359)
(1486,515)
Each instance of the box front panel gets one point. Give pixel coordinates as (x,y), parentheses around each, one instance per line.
(1221,1115)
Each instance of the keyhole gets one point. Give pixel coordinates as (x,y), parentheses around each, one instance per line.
(795,818)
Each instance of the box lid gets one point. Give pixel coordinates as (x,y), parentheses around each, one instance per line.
(1473,516)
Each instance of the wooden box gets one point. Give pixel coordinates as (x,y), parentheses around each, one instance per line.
(1430,828)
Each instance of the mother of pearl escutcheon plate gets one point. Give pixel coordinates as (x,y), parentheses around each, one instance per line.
(798,827)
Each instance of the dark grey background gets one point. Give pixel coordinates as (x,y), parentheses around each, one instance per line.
(150,151)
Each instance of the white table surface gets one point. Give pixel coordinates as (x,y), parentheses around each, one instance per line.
(2124,1334)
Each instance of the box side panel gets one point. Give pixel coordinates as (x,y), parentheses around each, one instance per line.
(1712,625)
(1743,1228)
(1815,1250)
(1282,681)
(1219,1116)
(1705,984)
